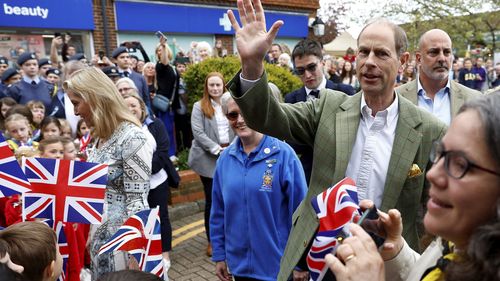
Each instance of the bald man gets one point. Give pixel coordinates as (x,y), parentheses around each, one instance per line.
(433,90)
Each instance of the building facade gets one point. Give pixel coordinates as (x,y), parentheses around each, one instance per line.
(101,25)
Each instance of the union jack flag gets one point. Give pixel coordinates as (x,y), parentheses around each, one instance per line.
(64,190)
(84,141)
(140,236)
(335,207)
(12,179)
(62,243)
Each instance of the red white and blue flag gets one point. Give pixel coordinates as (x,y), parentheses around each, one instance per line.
(140,236)
(62,243)
(64,190)
(84,141)
(12,179)
(335,208)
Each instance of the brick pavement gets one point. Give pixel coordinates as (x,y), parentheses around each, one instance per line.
(189,260)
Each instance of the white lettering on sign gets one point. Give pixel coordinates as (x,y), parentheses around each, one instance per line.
(25,11)
(225,22)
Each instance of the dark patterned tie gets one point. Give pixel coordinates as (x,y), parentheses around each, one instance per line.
(314,93)
(33,83)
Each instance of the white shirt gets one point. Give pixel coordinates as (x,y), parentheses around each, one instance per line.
(222,123)
(320,87)
(379,148)
(161,176)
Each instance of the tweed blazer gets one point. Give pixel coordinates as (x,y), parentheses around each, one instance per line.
(205,138)
(330,124)
(458,94)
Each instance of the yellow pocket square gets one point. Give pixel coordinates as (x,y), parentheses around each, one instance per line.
(414,171)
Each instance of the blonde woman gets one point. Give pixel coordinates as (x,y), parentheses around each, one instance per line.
(149,73)
(121,144)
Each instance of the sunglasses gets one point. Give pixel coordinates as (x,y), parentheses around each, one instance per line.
(232,116)
(310,67)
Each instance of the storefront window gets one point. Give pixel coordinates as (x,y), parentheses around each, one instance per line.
(15,42)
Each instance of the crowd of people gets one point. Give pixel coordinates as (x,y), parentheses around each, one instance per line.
(418,134)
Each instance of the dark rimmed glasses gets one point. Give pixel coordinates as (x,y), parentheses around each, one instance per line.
(456,163)
(310,67)
(233,115)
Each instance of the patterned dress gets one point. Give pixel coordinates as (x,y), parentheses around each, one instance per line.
(129,158)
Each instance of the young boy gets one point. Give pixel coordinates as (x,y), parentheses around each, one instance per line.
(33,245)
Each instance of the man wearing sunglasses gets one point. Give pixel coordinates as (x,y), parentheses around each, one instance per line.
(376,137)
(307,57)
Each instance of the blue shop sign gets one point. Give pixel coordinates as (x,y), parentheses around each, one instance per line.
(193,19)
(67,14)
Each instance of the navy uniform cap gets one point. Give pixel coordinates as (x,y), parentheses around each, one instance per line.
(42,62)
(24,57)
(111,71)
(78,56)
(118,51)
(9,72)
(53,71)
(4,60)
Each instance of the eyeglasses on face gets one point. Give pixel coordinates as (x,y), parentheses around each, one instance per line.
(456,163)
(310,67)
(233,115)
(124,90)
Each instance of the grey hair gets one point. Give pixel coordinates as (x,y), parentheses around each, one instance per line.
(399,34)
(487,108)
(224,101)
(275,91)
(127,80)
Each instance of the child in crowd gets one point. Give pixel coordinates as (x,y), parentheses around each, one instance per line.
(51,147)
(83,135)
(50,127)
(18,128)
(23,110)
(33,245)
(66,128)
(38,110)
(82,129)
(69,149)
(5,104)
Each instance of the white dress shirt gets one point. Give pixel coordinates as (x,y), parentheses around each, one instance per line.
(320,87)
(222,123)
(372,150)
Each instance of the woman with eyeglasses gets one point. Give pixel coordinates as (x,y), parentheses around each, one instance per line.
(463,211)
(258,184)
(126,86)
(211,135)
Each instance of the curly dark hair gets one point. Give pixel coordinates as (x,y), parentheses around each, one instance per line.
(481,262)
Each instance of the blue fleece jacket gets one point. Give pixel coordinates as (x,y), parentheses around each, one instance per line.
(253,199)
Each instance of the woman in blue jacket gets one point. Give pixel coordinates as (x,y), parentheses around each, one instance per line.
(258,184)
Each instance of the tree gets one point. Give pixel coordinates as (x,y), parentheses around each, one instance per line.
(466,21)
(334,14)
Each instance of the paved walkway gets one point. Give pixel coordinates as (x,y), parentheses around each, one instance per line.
(188,256)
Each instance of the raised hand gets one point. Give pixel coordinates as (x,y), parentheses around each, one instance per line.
(252,39)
